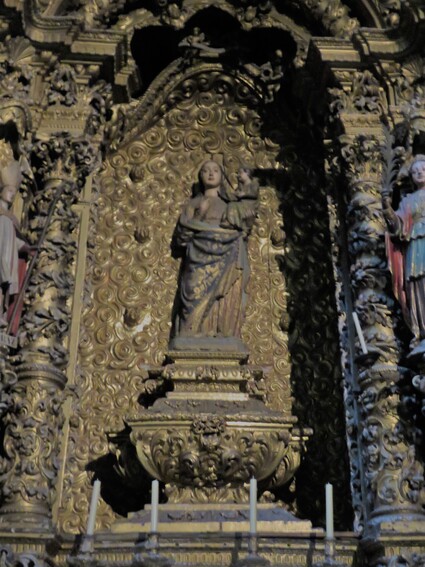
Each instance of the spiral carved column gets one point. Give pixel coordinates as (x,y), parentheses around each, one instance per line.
(392,476)
(29,464)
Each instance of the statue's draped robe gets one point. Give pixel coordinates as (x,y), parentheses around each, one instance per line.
(406,256)
(10,245)
(214,277)
(12,268)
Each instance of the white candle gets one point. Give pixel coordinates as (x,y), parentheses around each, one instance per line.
(329,512)
(154,506)
(359,333)
(253,506)
(93,507)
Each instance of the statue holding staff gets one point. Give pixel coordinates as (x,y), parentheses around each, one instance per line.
(14,249)
(406,252)
(12,245)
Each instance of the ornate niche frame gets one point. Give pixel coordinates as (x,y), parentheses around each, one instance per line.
(185,116)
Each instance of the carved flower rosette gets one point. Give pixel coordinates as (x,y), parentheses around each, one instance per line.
(210,458)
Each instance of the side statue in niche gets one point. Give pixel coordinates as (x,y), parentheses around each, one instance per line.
(213,229)
(13,249)
(406,253)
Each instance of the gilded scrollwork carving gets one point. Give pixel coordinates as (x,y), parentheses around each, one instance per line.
(394,476)
(30,460)
(51,228)
(390,11)
(8,380)
(62,86)
(363,159)
(73,105)
(253,13)
(210,459)
(414,116)
(29,463)
(407,81)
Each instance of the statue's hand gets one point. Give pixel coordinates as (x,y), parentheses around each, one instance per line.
(386,201)
(27,249)
(389,214)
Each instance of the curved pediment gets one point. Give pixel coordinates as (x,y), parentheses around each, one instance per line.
(336,17)
(53,20)
(102,35)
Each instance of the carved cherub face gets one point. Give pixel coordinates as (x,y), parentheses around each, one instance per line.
(244,175)
(210,175)
(417,171)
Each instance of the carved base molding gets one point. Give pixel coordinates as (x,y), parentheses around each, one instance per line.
(216,518)
(28,516)
(183,550)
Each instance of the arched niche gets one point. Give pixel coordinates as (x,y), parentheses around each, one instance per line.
(221,105)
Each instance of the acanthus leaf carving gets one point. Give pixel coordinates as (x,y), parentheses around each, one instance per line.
(364,96)
(62,86)
(335,17)
(63,165)
(16,73)
(29,463)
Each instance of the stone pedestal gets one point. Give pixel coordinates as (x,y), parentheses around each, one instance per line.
(208,436)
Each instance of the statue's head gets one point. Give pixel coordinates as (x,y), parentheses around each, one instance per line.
(417,170)
(210,175)
(245,174)
(8,193)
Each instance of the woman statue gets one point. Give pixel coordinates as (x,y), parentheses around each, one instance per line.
(406,252)
(213,229)
(10,244)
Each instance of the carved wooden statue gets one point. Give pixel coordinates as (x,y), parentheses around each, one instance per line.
(213,228)
(11,272)
(406,252)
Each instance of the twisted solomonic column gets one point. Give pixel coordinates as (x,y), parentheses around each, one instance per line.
(29,465)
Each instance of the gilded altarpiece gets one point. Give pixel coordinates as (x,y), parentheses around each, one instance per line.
(126,327)
(309,116)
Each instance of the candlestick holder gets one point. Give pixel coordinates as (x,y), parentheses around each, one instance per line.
(329,555)
(85,556)
(253,559)
(148,556)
